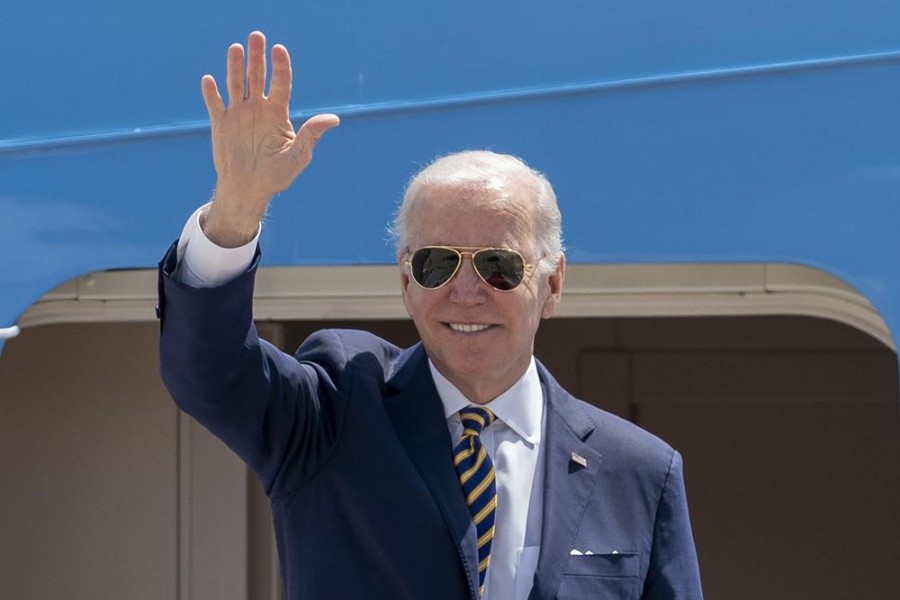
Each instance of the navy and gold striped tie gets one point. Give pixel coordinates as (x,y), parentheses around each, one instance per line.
(476,474)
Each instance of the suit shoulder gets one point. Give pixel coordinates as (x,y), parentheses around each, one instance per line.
(613,434)
(339,348)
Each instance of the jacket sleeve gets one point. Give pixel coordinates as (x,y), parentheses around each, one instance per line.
(268,407)
(674,573)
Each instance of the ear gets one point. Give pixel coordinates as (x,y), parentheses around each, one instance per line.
(404,288)
(555,285)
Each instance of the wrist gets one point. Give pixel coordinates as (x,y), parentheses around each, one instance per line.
(233,219)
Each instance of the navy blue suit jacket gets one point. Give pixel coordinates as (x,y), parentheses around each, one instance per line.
(350,442)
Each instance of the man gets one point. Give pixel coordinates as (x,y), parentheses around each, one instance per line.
(457,468)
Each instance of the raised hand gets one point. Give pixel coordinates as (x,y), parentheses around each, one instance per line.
(256,151)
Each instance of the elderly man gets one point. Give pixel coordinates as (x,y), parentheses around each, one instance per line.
(457,468)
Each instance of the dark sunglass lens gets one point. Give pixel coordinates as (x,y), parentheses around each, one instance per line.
(432,267)
(502,269)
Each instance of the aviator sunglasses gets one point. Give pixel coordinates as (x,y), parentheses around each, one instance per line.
(433,266)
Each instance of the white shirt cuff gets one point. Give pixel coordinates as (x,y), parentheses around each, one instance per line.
(201,263)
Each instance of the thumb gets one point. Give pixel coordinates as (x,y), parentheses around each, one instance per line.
(312,130)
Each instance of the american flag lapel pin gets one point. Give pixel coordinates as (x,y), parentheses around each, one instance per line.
(579,460)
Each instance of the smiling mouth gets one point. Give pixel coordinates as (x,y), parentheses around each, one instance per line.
(467,327)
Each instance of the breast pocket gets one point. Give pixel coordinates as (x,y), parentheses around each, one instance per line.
(614,576)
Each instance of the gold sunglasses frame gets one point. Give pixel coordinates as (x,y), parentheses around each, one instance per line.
(462,252)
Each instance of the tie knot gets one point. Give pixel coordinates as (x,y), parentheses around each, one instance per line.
(475,419)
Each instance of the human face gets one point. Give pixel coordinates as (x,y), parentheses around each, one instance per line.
(479,338)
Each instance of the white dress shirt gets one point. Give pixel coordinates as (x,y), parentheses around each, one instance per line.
(202,263)
(513,441)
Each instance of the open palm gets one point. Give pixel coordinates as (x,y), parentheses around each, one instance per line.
(256,151)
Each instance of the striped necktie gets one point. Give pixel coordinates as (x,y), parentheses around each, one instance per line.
(476,475)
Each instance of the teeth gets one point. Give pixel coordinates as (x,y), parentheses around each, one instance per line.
(464,328)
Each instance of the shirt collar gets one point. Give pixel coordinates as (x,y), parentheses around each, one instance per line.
(521,407)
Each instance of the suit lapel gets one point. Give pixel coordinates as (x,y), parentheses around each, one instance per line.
(567,483)
(415,409)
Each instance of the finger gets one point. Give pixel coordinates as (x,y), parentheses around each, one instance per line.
(311,131)
(317,125)
(280,87)
(215,106)
(256,65)
(234,74)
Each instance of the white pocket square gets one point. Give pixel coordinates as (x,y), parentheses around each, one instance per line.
(576,552)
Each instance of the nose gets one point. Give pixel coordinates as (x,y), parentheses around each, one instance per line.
(467,288)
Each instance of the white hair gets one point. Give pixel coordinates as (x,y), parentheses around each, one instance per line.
(483,170)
